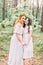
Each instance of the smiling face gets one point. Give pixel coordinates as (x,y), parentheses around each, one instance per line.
(26,22)
(23,18)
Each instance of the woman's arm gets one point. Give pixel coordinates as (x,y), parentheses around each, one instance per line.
(18,32)
(20,39)
(29,36)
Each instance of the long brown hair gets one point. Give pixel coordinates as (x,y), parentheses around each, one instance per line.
(29,24)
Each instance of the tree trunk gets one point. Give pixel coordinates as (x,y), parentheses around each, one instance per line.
(15,3)
(3,10)
(33,8)
(37,11)
(42,19)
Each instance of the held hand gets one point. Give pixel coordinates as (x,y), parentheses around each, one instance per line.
(24,43)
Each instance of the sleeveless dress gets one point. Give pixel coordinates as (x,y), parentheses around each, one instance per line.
(16,48)
(28,49)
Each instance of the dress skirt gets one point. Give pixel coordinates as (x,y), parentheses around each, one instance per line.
(28,49)
(15,52)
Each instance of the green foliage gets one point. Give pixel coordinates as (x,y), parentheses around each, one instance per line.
(0,10)
(38,42)
(39,46)
(12,14)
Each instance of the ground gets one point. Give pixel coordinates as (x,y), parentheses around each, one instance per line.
(38,48)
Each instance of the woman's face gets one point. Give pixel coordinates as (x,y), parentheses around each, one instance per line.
(23,19)
(26,22)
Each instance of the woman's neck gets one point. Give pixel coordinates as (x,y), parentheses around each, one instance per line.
(26,25)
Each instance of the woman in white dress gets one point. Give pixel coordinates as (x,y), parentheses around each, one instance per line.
(27,37)
(16,45)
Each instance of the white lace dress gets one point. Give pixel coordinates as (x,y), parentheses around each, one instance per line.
(16,48)
(28,49)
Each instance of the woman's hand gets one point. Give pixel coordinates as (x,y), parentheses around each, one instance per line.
(24,43)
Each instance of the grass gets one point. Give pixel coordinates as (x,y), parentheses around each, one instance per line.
(38,41)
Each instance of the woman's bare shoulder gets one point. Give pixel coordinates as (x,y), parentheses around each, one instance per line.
(18,24)
(30,27)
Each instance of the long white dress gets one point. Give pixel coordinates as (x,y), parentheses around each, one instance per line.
(28,49)
(16,48)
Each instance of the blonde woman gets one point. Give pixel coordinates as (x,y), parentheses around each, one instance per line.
(16,45)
